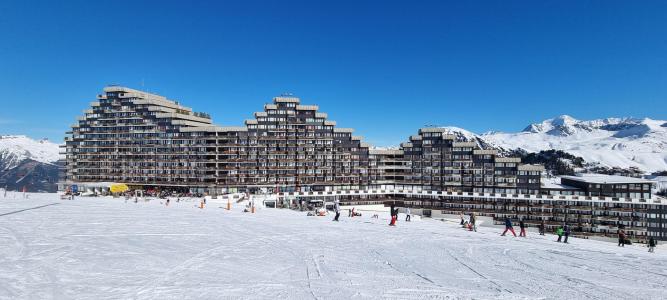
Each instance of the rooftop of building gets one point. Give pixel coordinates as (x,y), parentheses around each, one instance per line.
(554,184)
(606,179)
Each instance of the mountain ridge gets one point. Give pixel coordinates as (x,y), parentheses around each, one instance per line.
(608,143)
(28,163)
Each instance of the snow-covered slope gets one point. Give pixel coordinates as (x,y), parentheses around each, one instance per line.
(612,142)
(15,149)
(465,135)
(105,248)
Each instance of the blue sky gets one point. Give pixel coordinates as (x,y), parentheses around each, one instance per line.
(384,68)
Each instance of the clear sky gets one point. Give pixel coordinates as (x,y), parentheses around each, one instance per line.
(384,68)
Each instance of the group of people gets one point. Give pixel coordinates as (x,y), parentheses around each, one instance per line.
(565,231)
(562,230)
(351,213)
(623,240)
(393,211)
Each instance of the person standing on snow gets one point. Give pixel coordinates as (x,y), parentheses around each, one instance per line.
(395,217)
(559,232)
(473,221)
(542,227)
(566,231)
(651,245)
(508,226)
(392,213)
(522,225)
(621,237)
(407,214)
(337,210)
(462,220)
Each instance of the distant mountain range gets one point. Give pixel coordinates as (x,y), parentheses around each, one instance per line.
(28,163)
(625,143)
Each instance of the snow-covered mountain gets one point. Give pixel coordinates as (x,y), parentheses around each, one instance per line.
(611,142)
(465,135)
(28,163)
(16,148)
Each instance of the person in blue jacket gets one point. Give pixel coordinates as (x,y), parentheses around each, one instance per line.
(508,226)
(566,232)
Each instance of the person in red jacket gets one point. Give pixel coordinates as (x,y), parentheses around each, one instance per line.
(394,214)
(621,237)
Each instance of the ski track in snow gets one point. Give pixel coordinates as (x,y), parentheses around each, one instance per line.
(103,248)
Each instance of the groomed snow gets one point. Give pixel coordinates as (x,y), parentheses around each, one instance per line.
(103,248)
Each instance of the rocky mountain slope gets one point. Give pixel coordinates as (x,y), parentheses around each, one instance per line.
(28,163)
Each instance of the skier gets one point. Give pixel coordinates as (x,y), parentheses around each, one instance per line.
(651,245)
(337,210)
(522,225)
(542,226)
(473,221)
(621,237)
(566,231)
(559,232)
(508,226)
(462,220)
(392,212)
(407,214)
(166,203)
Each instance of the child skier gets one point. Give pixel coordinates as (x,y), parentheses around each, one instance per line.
(473,220)
(559,232)
(566,231)
(508,226)
(651,245)
(407,214)
(542,227)
(522,225)
(392,212)
(337,210)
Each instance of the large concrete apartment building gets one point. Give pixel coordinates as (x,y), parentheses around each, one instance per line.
(146,140)
(292,149)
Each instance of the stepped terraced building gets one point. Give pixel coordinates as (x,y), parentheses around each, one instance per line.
(293,150)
